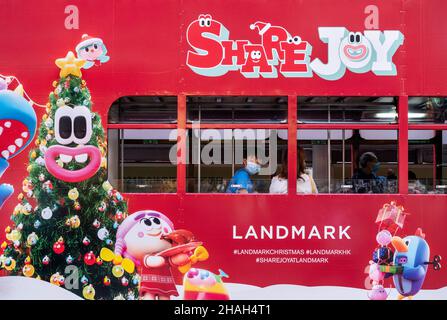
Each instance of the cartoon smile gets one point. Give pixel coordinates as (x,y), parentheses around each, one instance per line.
(355,52)
(66,154)
(154,234)
(14,135)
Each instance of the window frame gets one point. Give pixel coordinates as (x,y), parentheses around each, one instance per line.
(422,126)
(213,125)
(149,125)
(402,126)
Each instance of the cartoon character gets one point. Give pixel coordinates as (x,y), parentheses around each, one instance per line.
(17,128)
(200,284)
(375,274)
(73,131)
(355,52)
(411,259)
(378,292)
(91,50)
(148,238)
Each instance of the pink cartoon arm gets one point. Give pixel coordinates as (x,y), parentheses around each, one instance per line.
(152,261)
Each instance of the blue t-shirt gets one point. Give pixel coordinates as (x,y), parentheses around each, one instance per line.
(240,180)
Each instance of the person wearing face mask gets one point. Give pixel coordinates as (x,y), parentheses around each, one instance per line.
(365,179)
(241,181)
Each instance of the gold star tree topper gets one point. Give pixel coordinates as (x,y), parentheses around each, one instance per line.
(70,65)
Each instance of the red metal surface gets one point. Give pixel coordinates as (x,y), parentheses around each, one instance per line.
(403,145)
(147,45)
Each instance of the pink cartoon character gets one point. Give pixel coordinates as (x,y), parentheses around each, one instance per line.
(145,237)
(91,50)
(378,292)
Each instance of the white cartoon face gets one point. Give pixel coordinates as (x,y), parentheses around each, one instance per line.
(205,20)
(145,237)
(255,56)
(294,40)
(91,52)
(355,47)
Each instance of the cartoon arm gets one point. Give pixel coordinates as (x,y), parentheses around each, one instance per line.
(151,261)
(104,58)
(414,273)
(6,190)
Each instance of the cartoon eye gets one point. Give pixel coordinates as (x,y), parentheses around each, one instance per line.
(407,242)
(80,127)
(95,46)
(146,221)
(202,22)
(82,124)
(86,49)
(207,22)
(358,37)
(296,40)
(156,221)
(289,40)
(253,54)
(351,37)
(73,125)
(65,127)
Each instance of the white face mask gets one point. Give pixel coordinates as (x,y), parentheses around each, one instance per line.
(252,167)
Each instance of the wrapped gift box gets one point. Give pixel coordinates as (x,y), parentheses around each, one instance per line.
(391,217)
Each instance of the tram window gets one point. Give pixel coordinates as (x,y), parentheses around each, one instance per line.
(237,109)
(334,160)
(144,109)
(143,160)
(347,109)
(427,161)
(427,110)
(218,154)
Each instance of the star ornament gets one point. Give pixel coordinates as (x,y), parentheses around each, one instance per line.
(70,65)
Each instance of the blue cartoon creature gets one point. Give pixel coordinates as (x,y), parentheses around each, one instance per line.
(411,260)
(92,50)
(17,128)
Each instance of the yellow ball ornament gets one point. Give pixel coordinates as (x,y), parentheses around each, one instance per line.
(89,292)
(75,222)
(15,235)
(106,185)
(73,194)
(117,271)
(28,270)
(11,264)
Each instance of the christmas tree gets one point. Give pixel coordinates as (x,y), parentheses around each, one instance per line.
(65,224)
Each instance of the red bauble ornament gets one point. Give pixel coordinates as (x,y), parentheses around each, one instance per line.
(59,246)
(89,258)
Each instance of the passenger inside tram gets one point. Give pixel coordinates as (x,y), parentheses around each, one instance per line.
(365,179)
(305,184)
(241,181)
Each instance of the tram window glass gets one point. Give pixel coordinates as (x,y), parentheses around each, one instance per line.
(237,109)
(143,160)
(144,109)
(218,155)
(347,109)
(427,110)
(333,160)
(427,167)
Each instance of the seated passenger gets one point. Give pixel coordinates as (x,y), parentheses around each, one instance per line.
(365,179)
(414,185)
(305,183)
(241,181)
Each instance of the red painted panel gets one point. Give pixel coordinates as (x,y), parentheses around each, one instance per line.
(147,45)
